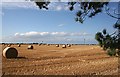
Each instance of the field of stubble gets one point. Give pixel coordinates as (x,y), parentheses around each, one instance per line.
(52,60)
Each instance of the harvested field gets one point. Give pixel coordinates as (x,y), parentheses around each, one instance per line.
(52,60)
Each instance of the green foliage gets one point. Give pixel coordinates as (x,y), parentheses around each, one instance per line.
(109,42)
(117,25)
(86,9)
(42,4)
(111,52)
(104,31)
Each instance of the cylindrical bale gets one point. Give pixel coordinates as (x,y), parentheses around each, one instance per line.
(63,46)
(10,52)
(57,45)
(69,45)
(48,44)
(19,45)
(30,47)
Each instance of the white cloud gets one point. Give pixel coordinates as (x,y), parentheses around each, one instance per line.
(54,6)
(60,25)
(33,33)
(27,4)
(58,6)
(15,5)
(61,0)
(15,0)
(53,37)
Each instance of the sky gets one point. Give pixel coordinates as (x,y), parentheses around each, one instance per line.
(24,22)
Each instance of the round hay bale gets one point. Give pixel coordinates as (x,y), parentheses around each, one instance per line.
(30,47)
(63,46)
(10,52)
(48,44)
(57,45)
(69,45)
(19,45)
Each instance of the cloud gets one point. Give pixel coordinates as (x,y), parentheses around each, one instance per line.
(15,5)
(51,37)
(60,25)
(15,0)
(38,0)
(58,6)
(41,34)
(55,5)
(26,4)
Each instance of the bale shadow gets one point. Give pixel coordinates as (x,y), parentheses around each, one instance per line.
(18,58)
(21,58)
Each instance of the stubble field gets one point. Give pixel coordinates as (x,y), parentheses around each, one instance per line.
(52,60)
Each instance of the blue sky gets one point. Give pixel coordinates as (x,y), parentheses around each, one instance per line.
(25,22)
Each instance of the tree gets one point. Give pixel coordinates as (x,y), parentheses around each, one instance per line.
(109,42)
(86,9)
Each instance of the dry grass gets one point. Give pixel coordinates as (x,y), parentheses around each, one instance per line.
(52,60)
